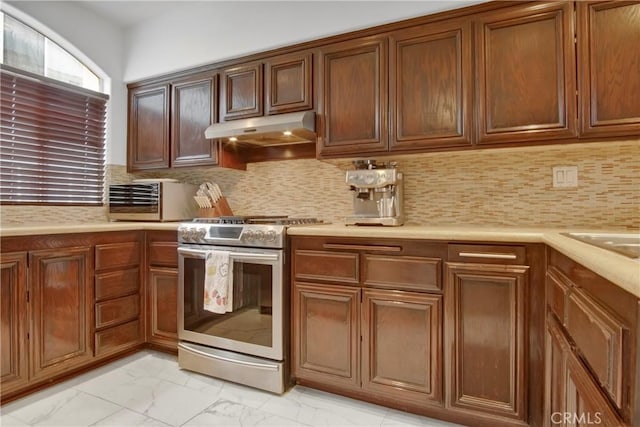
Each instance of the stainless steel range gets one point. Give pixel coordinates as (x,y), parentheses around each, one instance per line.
(246,343)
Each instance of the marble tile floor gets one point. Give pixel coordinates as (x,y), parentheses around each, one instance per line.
(148,389)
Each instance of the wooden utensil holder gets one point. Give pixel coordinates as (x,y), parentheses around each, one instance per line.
(221,208)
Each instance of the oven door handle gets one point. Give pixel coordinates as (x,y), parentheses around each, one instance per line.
(229,359)
(249,256)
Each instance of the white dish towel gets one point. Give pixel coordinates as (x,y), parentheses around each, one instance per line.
(218,282)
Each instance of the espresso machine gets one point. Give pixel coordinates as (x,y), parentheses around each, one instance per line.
(377,194)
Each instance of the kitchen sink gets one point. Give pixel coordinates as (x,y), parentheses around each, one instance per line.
(627,244)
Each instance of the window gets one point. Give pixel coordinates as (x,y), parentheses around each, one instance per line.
(52,129)
(26,49)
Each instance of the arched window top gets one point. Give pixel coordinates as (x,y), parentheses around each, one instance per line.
(27,49)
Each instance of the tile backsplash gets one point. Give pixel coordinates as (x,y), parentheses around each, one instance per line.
(504,187)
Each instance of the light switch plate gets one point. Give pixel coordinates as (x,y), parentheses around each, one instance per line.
(565,176)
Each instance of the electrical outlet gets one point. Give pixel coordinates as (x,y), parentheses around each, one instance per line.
(565,176)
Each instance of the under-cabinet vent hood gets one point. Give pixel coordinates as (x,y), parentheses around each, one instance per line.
(280,129)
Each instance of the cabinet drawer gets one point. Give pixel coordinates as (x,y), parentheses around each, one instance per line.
(403,272)
(340,267)
(163,254)
(487,254)
(117,283)
(599,336)
(118,337)
(117,255)
(117,311)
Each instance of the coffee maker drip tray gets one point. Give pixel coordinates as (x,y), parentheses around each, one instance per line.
(388,221)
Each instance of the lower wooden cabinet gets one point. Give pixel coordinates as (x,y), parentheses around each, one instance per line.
(402,345)
(386,343)
(162,297)
(118,308)
(486,338)
(162,290)
(61,305)
(592,332)
(326,329)
(573,397)
(68,301)
(13,312)
(367,319)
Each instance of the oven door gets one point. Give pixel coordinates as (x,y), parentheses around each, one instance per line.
(254,326)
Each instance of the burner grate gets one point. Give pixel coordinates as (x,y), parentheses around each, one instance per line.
(259,219)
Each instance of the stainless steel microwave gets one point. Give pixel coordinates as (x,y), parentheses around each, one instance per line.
(152,201)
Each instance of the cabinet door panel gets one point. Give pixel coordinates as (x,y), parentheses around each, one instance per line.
(163,307)
(599,335)
(241,92)
(526,73)
(13,312)
(148,145)
(487,336)
(194,108)
(556,348)
(608,38)
(289,83)
(584,401)
(326,330)
(430,75)
(401,345)
(61,295)
(354,97)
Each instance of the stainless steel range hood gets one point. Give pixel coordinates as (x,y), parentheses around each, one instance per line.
(280,129)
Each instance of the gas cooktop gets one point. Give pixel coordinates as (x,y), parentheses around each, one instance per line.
(259,219)
(248,231)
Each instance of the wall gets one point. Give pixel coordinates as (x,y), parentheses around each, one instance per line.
(205,32)
(504,187)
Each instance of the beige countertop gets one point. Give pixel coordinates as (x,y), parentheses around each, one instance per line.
(42,229)
(621,270)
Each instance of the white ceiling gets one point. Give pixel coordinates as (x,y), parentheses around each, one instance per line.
(125,13)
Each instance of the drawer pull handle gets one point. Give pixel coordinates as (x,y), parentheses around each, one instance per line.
(487,255)
(362,247)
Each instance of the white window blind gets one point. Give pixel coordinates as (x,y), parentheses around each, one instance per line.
(52,141)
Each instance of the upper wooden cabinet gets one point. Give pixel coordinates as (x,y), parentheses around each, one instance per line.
(525,73)
(148,145)
(430,86)
(353,97)
(289,83)
(608,70)
(193,109)
(167,123)
(241,92)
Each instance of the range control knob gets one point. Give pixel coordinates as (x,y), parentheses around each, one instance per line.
(201,233)
(248,235)
(270,236)
(259,235)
